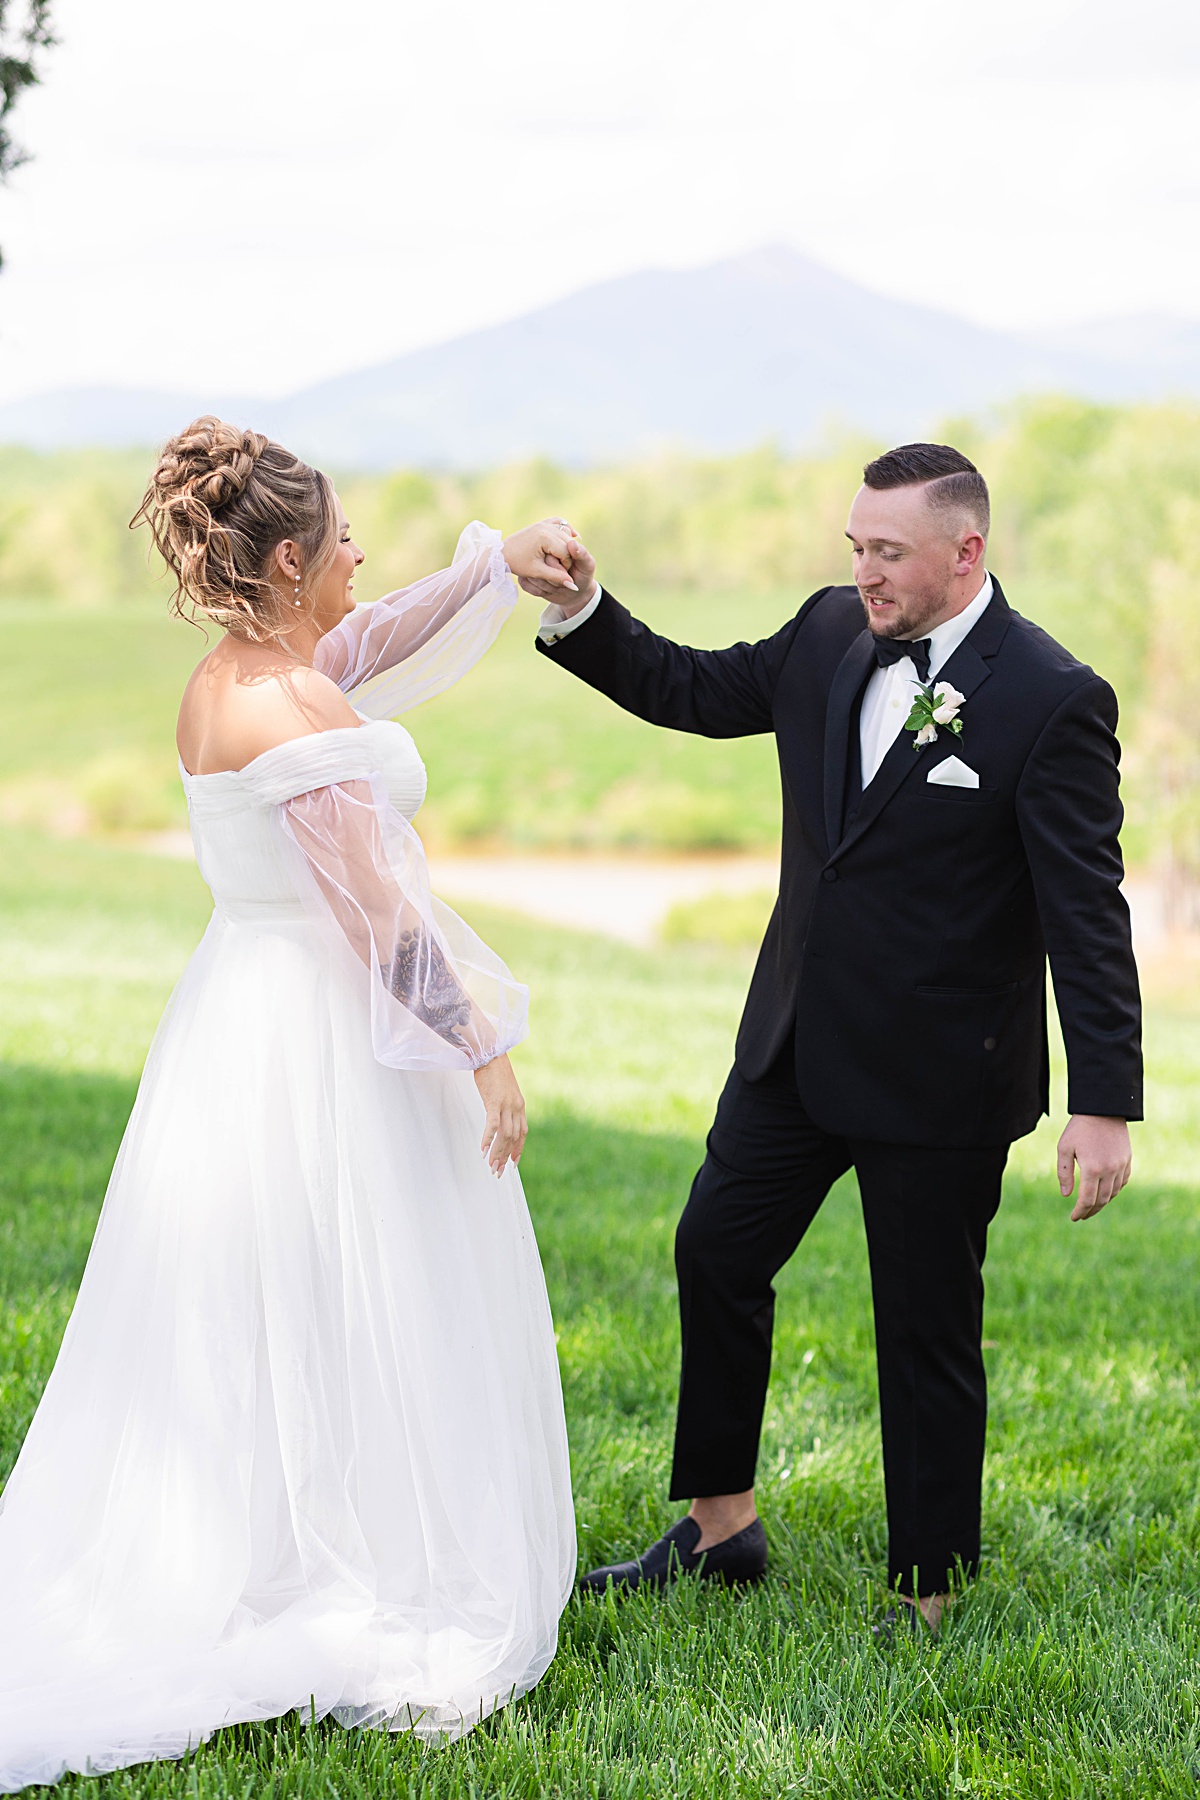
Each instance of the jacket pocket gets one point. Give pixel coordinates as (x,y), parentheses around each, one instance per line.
(956,796)
(973,993)
(972,1040)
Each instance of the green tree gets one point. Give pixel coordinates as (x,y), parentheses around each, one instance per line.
(24,33)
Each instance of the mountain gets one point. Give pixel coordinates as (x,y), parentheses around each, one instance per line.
(113,418)
(1146,353)
(764,346)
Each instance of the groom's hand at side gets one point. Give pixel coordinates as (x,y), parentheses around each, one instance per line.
(1101,1148)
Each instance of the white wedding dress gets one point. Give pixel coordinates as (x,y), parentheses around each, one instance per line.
(303,1446)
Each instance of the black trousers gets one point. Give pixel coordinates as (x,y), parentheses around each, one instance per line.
(927,1212)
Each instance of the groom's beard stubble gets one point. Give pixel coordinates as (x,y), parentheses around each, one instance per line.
(912,617)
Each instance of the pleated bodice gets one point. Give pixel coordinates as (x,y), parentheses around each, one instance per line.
(240,851)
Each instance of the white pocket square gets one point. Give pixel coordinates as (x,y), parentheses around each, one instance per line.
(953,773)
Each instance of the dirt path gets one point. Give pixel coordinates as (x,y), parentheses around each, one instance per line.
(624,897)
(628,897)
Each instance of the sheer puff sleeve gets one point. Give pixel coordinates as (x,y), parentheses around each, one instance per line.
(440,999)
(398,651)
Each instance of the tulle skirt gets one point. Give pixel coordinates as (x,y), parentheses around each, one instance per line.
(303,1446)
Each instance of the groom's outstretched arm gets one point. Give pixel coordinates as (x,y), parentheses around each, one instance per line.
(716,693)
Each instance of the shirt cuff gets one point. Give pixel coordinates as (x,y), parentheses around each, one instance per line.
(555,624)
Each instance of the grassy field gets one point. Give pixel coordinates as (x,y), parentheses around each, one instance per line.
(1070,1668)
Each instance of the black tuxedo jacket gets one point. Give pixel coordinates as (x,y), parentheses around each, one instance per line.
(910,936)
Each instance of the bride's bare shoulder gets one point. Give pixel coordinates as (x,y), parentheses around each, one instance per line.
(243,699)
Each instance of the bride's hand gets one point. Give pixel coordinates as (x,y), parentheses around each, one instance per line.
(506,1129)
(583,574)
(544,559)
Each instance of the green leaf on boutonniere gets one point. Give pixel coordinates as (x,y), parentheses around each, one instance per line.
(934,708)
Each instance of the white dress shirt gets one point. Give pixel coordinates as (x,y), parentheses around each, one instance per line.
(888,699)
(555,623)
(890,692)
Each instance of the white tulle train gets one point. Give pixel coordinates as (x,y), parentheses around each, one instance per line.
(304,1444)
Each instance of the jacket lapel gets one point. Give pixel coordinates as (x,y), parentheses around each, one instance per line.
(966,670)
(848,678)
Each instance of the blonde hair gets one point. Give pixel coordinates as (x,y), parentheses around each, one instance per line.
(218,503)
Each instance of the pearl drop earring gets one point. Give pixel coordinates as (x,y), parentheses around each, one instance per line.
(296,601)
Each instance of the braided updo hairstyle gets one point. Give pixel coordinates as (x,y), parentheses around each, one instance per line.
(218,503)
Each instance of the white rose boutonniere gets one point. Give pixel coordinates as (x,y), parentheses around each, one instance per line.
(934,705)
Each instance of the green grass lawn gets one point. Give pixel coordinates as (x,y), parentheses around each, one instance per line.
(1069,1669)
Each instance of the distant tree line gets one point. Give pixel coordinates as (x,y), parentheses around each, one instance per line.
(1096,511)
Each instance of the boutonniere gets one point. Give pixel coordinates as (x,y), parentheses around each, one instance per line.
(934,705)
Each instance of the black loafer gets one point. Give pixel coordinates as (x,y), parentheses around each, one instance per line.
(900,1621)
(741,1558)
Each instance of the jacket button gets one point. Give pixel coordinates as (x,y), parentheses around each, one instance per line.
(989,1043)
(831,874)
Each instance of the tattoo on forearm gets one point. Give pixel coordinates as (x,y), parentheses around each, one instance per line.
(420,978)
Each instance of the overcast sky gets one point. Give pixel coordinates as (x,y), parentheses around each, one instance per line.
(250,195)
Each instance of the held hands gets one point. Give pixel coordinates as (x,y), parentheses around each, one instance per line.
(567,572)
(506,1129)
(542,559)
(1101,1148)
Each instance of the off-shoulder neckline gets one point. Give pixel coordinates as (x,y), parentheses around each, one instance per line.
(306,737)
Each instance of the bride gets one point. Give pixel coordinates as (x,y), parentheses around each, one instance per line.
(303,1446)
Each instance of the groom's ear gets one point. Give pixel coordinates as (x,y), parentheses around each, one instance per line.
(972,548)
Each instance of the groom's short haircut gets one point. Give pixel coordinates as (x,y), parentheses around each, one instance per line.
(954,488)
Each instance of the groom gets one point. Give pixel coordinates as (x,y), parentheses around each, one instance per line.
(896,1021)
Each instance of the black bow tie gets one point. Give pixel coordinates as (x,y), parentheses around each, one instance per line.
(890,650)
